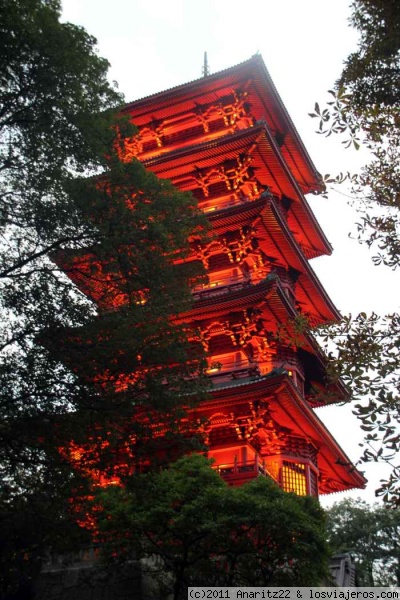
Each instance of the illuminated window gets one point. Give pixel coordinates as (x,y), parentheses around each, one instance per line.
(294,478)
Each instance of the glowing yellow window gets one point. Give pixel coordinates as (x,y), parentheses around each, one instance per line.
(294,478)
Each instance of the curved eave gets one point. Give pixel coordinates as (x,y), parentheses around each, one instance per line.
(266,103)
(303,218)
(228,301)
(230,219)
(290,410)
(332,460)
(77,265)
(270,169)
(210,152)
(74,262)
(276,308)
(284,247)
(313,292)
(267,295)
(294,150)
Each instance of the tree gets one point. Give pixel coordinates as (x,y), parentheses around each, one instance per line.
(372,73)
(142,366)
(364,109)
(72,369)
(55,122)
(206,533)
(58,126)
(34,524)
(372,535)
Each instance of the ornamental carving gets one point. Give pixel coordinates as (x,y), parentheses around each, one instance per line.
(214,422)
(234,173)
(270,435)
(244,332)
(132,147)
(232,109)
(203,253)
(241,249)
(214,329)
(153,131)
(242,245)
(262,429)
(328,485)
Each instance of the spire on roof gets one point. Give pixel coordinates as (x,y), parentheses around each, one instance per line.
(205,71)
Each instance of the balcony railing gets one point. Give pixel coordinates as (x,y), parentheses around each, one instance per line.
(222,286)
(248,469)
(210,206)
(233,370)
(227,284)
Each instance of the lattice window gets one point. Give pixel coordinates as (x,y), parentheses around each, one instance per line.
(273,469)
(294,478)
(313,483)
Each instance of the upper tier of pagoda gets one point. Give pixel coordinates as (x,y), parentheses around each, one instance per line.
(227,138)
(222,103)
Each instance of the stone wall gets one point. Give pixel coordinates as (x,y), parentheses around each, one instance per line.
(90,582)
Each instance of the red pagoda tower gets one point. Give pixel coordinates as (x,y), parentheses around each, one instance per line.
(229,140)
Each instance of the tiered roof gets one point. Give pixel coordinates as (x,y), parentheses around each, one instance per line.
(228,138)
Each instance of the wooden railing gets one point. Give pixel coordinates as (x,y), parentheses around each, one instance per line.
(234,370)
(224,285)
(255,467)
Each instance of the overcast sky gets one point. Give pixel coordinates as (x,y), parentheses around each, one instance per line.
(153,45)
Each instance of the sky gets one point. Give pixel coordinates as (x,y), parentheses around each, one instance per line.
(153,45)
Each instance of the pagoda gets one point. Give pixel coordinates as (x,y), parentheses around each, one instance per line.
(229,140)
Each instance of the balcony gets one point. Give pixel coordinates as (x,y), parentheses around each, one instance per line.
(291,473)
(222,285)
(227,283)
(224,202)
(238,472)
(222,370)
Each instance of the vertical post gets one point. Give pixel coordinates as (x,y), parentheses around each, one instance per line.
(206,69)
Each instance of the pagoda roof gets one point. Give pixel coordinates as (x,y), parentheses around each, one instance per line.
(269,297)
(310,294)
(220,301)
(182,165)
(309,290)
(276,309)
(278,241)
(291,411)
(266,103)
(274,236)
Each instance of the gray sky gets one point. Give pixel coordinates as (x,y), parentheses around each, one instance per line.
(153,45)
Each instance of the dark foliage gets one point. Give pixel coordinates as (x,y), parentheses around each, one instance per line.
(372,535)
(193,529)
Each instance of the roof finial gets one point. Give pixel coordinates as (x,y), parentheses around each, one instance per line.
(205,69)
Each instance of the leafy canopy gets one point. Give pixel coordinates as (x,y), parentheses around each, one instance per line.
(65,195)
(206,533)
(364,110)
(371,534)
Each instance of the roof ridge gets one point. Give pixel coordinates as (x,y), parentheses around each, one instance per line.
(255,58)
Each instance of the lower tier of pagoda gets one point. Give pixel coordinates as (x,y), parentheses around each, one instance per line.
(300,478)
(259,426)
(263,426)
